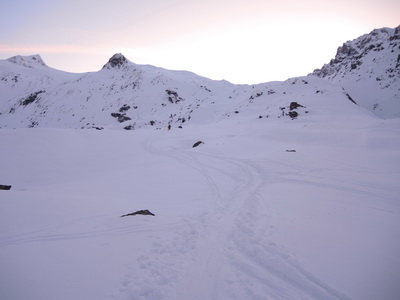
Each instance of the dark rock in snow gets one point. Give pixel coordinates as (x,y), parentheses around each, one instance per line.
(5,187)
(124,108)
(349,97)
(197,144)
(145,212)
(31,98)
(295,105)
(129,127)
(293,114)
(173,96)
(292,150)
(121,117)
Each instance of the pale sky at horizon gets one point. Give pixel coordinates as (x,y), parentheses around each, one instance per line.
(242,41)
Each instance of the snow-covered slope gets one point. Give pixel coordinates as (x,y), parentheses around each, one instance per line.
(122,94)
(369,69)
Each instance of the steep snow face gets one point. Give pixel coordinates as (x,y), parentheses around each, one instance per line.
(369,69)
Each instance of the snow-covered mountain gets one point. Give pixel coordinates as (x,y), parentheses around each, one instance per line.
(131,96)
(126,95)
(369,69)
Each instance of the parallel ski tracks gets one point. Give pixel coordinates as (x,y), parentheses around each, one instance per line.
(235,251)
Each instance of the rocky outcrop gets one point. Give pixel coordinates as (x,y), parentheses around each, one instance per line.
(368,68)
(31,98)
(145,212)
(116,61)
(5,187)
(197,144)
(350,55)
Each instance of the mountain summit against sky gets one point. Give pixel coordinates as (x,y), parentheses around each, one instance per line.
(116,60)
(31,61)
(126,95)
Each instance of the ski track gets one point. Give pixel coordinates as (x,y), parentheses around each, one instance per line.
(228,253)
(47,235)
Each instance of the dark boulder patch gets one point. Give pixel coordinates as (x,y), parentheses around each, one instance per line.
(291,150)
(173,96)
(5,187)
(31,98)
(293,114)
(295,105)
(123,108)
(129,127)
(144,212)
(120,117)
(197,144)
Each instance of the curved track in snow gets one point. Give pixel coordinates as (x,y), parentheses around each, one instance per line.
(235,256)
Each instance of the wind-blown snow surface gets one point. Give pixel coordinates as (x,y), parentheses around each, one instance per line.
(236,218)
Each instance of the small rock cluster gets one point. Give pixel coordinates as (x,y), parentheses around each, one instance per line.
(121,115)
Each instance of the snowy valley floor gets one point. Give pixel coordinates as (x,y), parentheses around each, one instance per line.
(236,218)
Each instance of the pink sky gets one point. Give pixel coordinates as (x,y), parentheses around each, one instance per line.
(243,41)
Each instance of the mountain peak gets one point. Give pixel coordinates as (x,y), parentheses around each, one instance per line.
(116,61)
(368,67)
(30,61)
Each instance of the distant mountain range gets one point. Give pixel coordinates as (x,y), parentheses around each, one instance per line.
(130,96)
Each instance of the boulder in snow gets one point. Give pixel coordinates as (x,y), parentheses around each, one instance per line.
(5,187)
(140,212)
(197,144)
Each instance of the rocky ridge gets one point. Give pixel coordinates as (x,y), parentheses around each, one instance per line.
(369,69)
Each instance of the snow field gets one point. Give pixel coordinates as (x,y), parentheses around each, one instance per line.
(235,218)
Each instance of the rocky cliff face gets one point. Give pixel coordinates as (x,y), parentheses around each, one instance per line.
(369,69)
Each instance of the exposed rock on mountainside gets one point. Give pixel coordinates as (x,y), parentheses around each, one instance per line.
(116,61)
(31,98)
(369,70)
